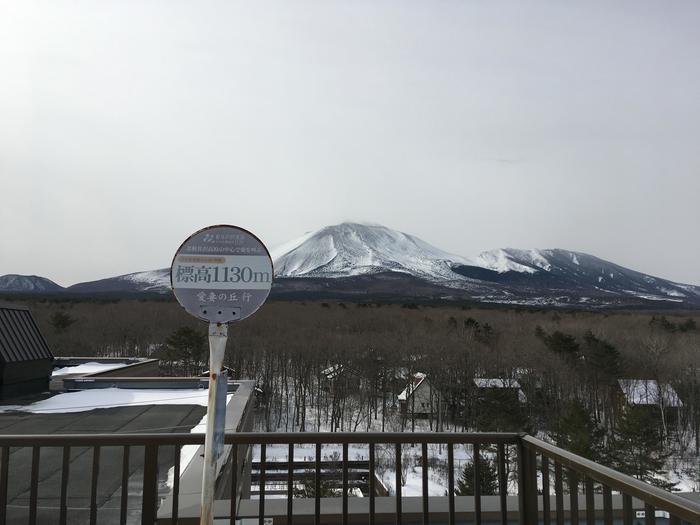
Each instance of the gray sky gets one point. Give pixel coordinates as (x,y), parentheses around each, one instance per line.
(127,125)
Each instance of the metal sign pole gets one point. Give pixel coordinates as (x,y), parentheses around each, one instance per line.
(220,274)
(216,417)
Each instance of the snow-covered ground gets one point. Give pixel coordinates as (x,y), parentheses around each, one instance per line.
(682,467)
(85,368)
(385,462)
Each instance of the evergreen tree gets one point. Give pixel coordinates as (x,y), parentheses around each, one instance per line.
(637,446)
(601,357)
(577,433)
(488,479)
(61,321)
(688,325)
(500,410)
(187,345)
(307,489)
(559,343)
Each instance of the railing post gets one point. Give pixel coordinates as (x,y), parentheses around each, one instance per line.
(559,492)
(33,493)
(290,486)
(477,484)
(546,510)
(503,483)
(235,469)
(4,470)
(372,487)
(63,507)
(398,484)
(590,501)
(451,483)
(527,485)
(522,500)
(424,472)
(345,484)
(150,479)
(93,484)
(262,481)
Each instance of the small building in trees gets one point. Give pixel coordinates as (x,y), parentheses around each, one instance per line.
(648,392)
(26,361)
(652,395)
(499,405)
(510,387)
(339,371)
(419,398)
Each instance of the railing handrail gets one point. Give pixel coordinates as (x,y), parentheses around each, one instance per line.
(677,505)
(653,496)
(256,438)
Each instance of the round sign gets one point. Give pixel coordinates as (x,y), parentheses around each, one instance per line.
(221,274)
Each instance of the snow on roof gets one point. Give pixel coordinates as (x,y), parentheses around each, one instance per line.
(497,382)
(648,392)
(336,370)
(416,381)
(111,397)
(93,367)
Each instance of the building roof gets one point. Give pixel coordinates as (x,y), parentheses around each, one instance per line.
(20,338)
(412,386)
(497,382)
(649,392)
(337,370)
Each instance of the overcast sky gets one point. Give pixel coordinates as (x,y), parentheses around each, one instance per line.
(127,125)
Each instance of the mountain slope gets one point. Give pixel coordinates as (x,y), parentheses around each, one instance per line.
(575,274)
(155,281)
(28,284)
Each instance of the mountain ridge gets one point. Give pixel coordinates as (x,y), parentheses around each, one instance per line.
(371,260)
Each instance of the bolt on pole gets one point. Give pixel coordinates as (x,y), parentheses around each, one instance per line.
(216,417)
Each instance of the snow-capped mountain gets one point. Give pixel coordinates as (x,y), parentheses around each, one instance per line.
(372,262)
(28,284)
(351,249)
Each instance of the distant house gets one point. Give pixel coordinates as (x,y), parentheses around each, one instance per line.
(651,395)
(26,361)
(484,384)
(418,398)
(648,392)
(499,404)
(337,372)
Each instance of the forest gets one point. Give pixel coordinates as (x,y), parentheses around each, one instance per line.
(342,366)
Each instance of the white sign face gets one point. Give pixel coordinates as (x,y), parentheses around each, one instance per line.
(221,274)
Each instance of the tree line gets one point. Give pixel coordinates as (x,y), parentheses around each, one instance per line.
(566,362)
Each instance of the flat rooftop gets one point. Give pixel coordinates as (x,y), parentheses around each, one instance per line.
(100,409)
